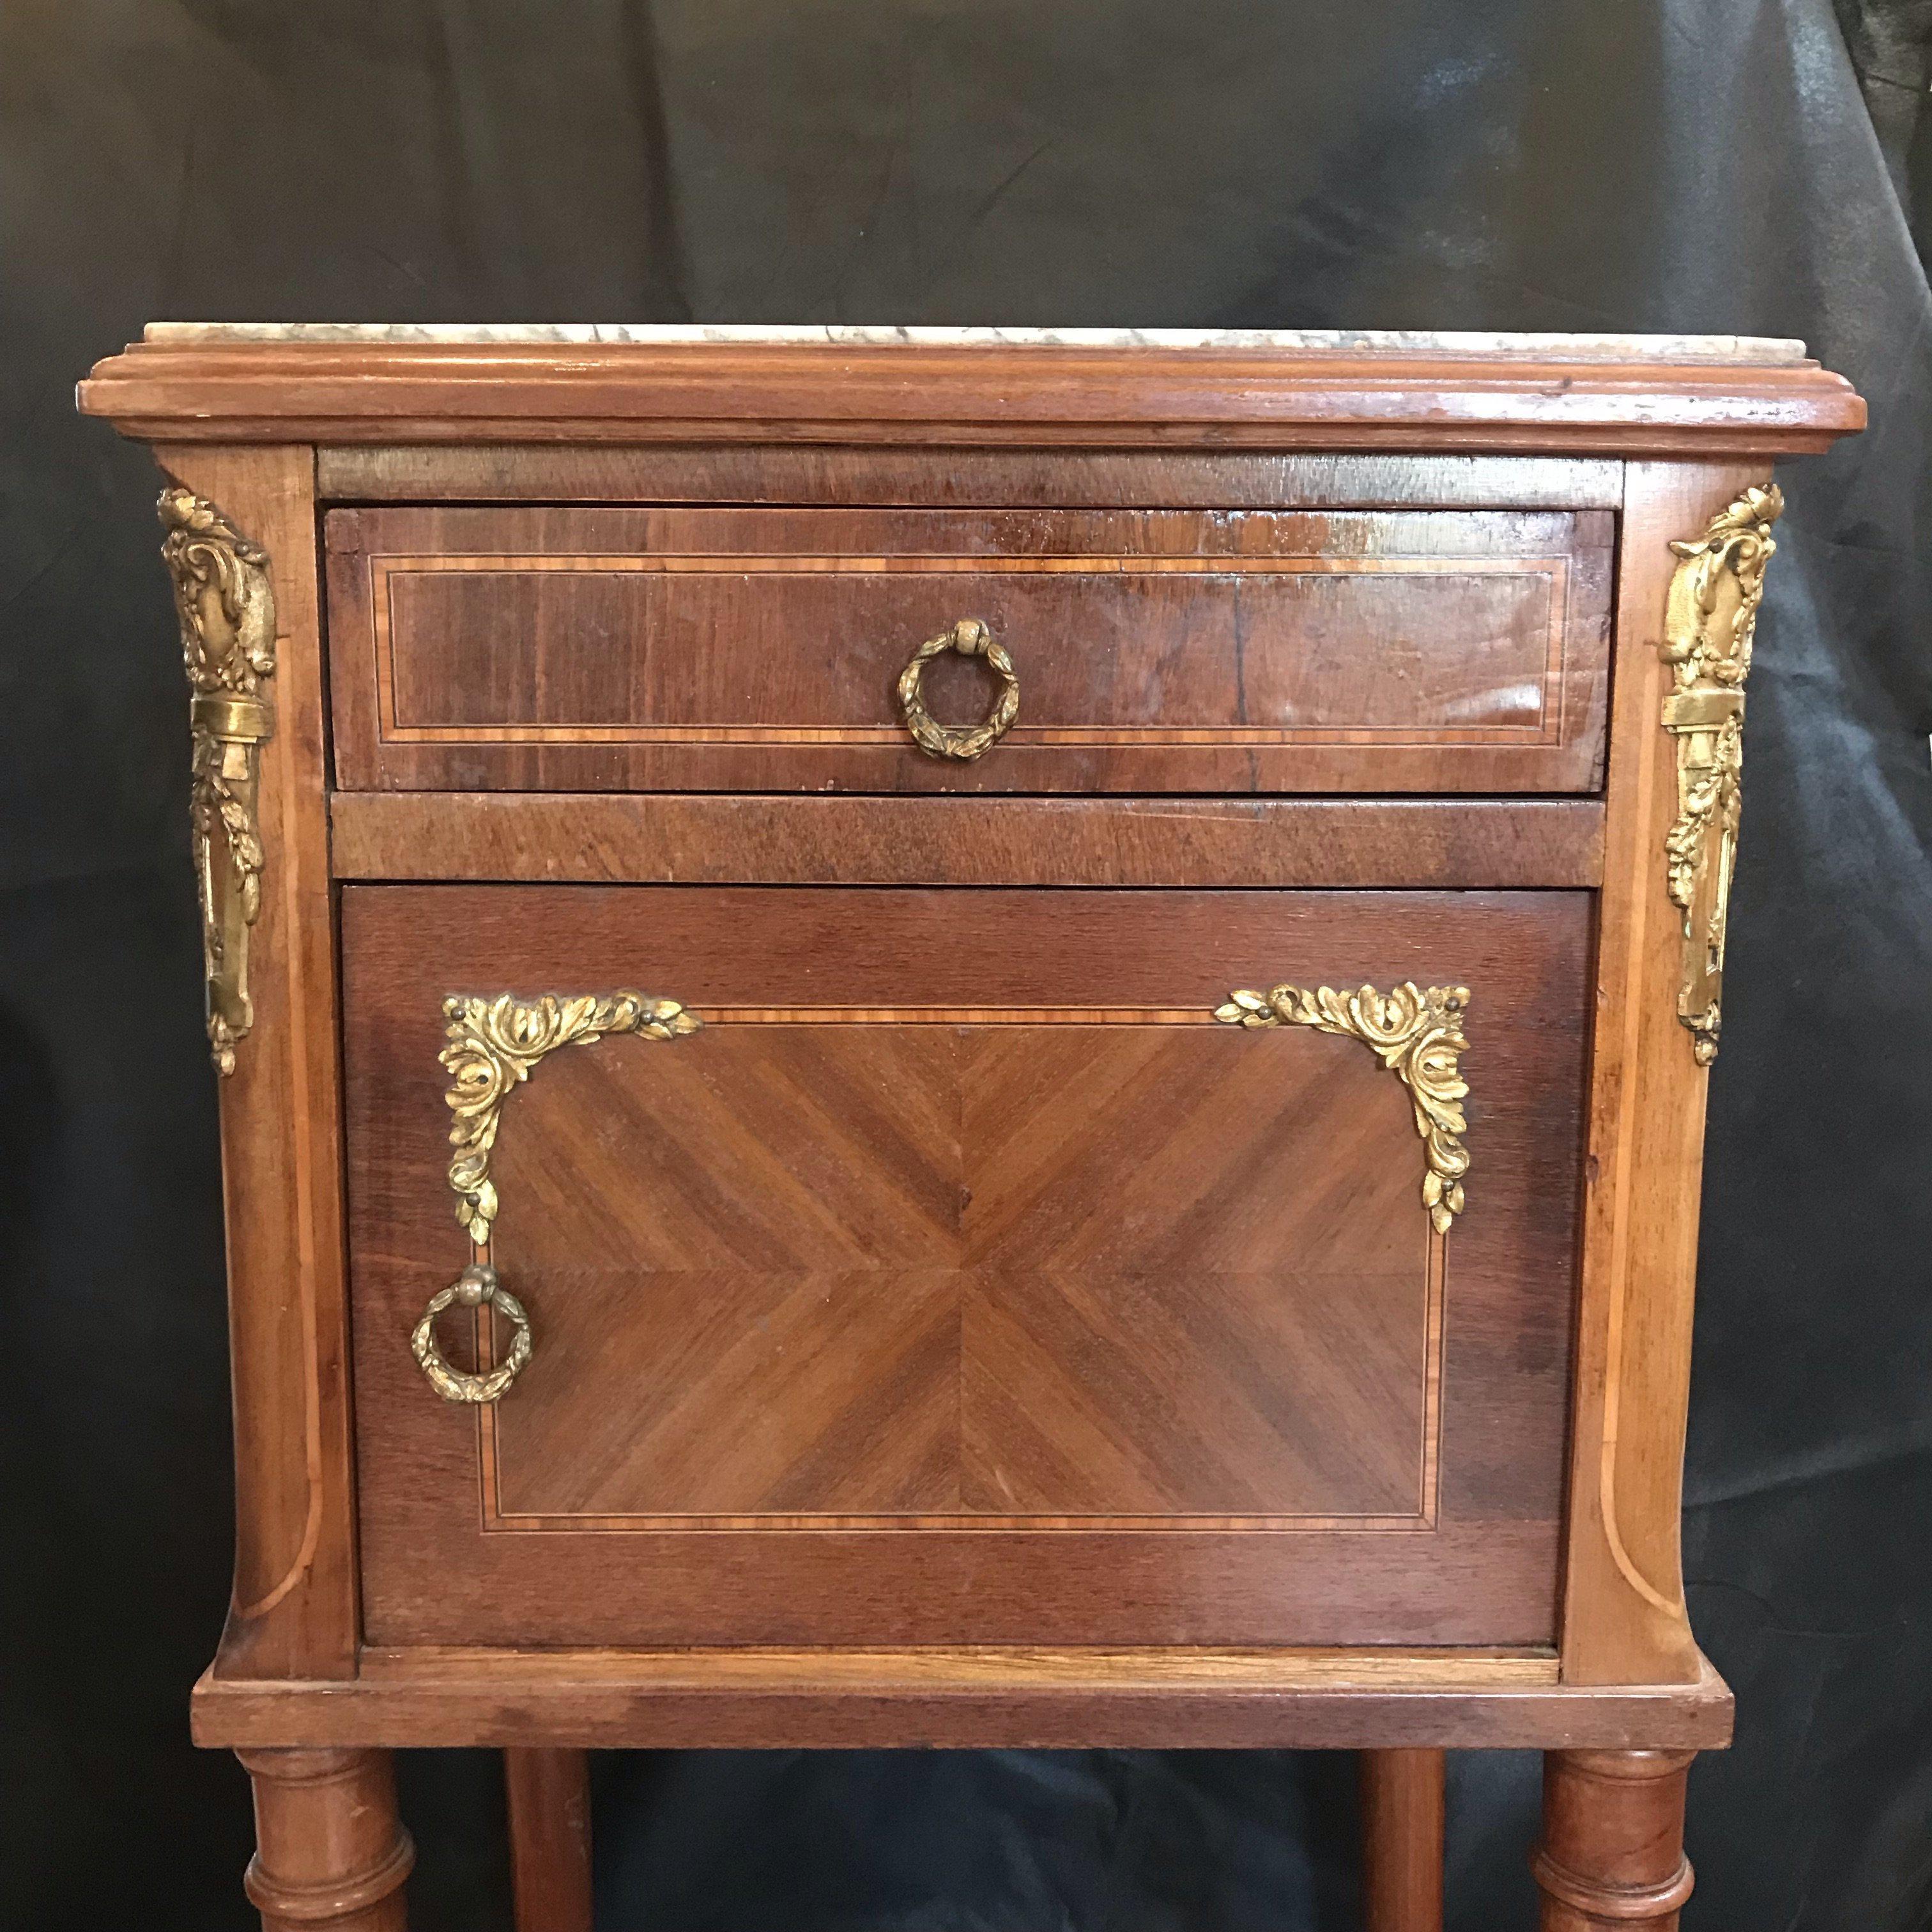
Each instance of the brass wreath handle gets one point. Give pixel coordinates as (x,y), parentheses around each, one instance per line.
(971,639)
(471,1289)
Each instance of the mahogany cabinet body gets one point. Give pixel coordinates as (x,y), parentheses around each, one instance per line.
(1176,1227)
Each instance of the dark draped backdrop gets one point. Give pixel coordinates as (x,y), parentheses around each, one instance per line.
(1750,166)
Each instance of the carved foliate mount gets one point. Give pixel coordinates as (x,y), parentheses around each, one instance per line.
(1709,618)
(493,1043)
(227,613)
(1416,1032)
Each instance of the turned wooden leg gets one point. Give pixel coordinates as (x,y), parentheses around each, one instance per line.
(329,1856)
(550,1838)
(1613,1850)
(1402,1840)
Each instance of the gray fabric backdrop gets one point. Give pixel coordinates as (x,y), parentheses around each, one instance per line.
(1656,164)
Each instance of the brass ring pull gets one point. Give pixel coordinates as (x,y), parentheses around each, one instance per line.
(471,1289)
(971,639)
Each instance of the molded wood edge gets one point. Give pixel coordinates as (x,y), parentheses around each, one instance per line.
(440,393)
(756,1699)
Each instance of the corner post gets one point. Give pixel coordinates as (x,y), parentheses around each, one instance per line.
(243,553)
(1624,1620)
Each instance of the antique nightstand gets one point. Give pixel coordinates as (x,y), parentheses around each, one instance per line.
(959,1038)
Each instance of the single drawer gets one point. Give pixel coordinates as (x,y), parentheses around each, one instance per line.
(955,1267)
(583,649)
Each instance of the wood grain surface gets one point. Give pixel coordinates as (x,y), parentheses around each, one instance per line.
(611,838)
(785,473)
(294,1602)
(1146,1699)
(548,1794)
(1131,396)
(1402,1803)
(1612,1851)
(329,1849)
(751,1268)
(1157,650)
(891,1271)
(1624,1613)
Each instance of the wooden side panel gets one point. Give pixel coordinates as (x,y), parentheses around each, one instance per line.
(1624,1620)
(294,1608)
(1157,650)
(962,1281)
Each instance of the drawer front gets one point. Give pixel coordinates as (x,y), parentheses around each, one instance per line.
(583,649)
(962,1277)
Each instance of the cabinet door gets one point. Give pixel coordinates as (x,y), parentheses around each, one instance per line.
(968,1273)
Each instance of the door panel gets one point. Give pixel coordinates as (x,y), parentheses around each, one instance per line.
(962,1278)
(994,1271)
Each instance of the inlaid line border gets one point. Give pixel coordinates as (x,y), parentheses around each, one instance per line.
(493,1519)
(1546,733)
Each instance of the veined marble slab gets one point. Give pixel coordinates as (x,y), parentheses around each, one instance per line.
(1757,351)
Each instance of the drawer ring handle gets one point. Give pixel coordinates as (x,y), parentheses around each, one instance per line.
(473,1287)
(971,639)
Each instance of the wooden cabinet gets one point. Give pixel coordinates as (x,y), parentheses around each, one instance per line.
(933,1040)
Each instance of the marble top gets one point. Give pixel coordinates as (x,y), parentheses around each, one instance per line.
(1757,351)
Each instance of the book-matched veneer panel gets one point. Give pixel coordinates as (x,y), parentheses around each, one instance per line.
(587,648)
(876,1266)
(963,1278)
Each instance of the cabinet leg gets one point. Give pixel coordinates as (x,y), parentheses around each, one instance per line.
(1402,1840)
(550,1839)
(330,1855)
(1613,1850)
